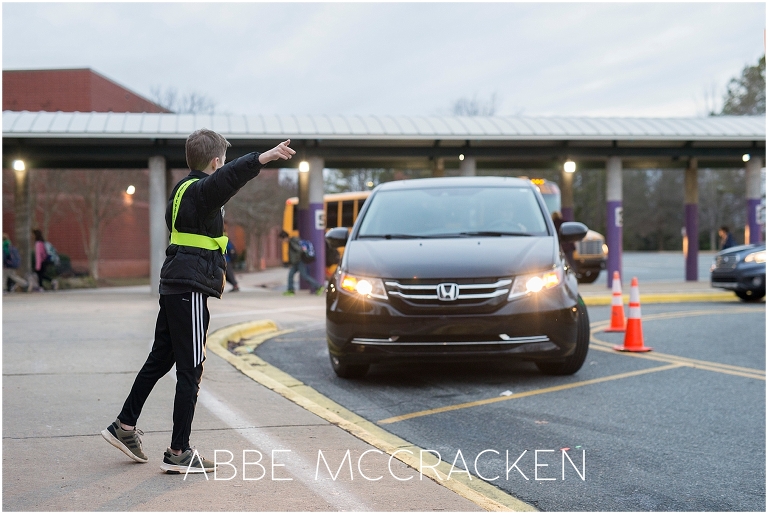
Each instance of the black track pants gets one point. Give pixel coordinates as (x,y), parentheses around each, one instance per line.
(182,325)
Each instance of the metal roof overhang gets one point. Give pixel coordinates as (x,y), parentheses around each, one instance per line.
(85,140)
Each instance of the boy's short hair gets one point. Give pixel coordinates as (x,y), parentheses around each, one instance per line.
(202,146)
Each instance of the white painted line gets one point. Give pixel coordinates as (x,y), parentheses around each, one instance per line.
(268,311)
(335,493)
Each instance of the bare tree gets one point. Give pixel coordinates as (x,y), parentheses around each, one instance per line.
(474,106)
(746,94)
(96,197)
(356,179)
(709,104)
(49,196)
(258,207)
(189,103)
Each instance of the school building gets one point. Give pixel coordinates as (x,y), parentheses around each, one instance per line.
(125,246)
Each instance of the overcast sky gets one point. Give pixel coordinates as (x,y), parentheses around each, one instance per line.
(575,59)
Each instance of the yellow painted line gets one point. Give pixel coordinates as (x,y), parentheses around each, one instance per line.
(545,390)
(600,325)
(665,298)
(653,356)
(729,369)
(485,495)
(677,358)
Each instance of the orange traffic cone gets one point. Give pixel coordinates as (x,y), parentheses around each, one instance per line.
(633,338)
(618,324)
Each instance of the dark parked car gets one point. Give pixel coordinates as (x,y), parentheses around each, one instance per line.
(741,269)
(455,268)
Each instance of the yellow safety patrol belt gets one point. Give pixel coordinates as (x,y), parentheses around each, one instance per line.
(195,240)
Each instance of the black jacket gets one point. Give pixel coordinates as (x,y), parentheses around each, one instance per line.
(201,211)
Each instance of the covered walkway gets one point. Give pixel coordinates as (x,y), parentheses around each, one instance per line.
(156,141)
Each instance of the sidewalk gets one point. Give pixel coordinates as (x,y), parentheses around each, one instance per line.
(69,359)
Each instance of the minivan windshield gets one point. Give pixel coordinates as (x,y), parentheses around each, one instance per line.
(453,212)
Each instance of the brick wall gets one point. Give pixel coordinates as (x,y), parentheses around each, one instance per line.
(69,90)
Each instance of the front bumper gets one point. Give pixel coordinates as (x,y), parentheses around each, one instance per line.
(536,327)
(745,277)
(587,264)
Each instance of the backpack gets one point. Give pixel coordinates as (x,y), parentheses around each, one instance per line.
(13,259)
(53,255)
(307,251)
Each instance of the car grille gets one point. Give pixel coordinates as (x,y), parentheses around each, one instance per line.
(727,278)
(468,295)
(590,247)
(726,261)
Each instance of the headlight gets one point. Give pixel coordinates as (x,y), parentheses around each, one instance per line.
(535,282)
(605,249)
(756,257)
(365,286)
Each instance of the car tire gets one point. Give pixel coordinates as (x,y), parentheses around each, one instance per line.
(573,362)
(346,370)
(587,277)
(750,296)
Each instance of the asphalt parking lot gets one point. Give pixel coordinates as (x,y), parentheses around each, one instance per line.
(680,428)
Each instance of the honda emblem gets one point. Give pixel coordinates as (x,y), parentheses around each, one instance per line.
(447,292)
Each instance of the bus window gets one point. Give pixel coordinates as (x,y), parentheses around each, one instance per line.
(550,192)
(334,213)
(295,226)
(347,213)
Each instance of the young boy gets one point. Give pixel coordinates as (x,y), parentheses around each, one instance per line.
(194,269)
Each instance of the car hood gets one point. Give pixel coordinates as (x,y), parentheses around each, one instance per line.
(743,248)
(449,258)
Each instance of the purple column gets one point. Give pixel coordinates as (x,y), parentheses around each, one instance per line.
(317,236)
(305,225)
(754,183)
(566,207)
(755,232)
(315,230)
(692,220)
(614,234)
(614,218)
(692,232)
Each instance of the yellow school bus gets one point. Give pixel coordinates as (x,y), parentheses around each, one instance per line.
(591,253)
(340,209)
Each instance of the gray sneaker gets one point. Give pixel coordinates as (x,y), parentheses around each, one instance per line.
(127,441)
(185,463)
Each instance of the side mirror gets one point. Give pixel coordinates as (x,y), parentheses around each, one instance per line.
(572,231)
(337,237)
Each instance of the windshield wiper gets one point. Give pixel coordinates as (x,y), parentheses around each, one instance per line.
(493,233)
(389,236)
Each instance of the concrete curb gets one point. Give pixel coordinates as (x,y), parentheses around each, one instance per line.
(251,334)
(665,298)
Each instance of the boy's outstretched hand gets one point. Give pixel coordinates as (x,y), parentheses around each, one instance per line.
(281,151)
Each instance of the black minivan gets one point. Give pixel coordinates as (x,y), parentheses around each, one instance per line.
(455,268)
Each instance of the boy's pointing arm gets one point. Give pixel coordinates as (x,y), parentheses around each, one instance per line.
(281,151)
(221,185)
